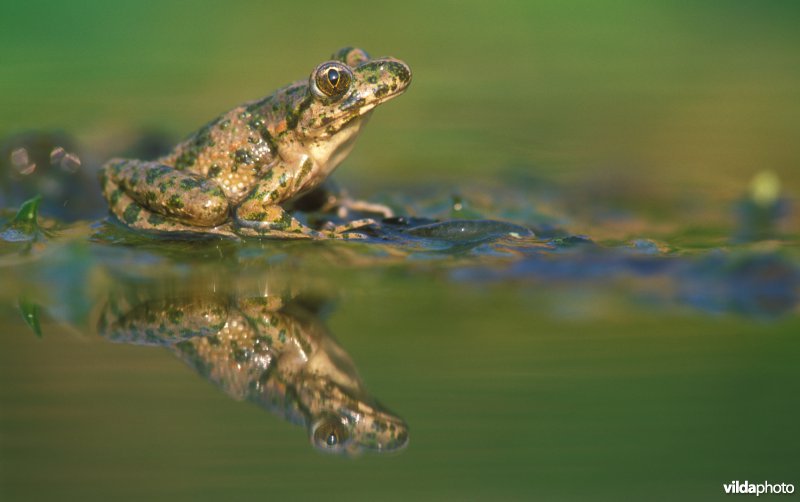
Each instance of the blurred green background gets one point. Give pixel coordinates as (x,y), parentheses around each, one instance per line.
(697,93)
(513,389)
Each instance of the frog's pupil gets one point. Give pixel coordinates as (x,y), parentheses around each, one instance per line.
(331,439)
(333,76)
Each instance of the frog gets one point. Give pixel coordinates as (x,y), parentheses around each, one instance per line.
(269,350)
(239,175)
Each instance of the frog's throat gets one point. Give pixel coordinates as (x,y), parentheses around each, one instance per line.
(328,154)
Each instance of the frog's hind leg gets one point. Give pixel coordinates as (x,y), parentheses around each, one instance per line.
(135,215)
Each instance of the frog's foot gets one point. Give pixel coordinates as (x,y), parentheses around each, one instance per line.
(135,215)
(272,222)
(348,230)
(346,205)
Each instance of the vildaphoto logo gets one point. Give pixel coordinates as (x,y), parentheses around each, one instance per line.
(765,488)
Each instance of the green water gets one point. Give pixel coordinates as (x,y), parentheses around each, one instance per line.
(654,357)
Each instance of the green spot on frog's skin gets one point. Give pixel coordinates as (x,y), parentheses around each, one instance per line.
(116,167)
(381,90)
(115,195)
(304,170)
(243,156)
(189,183)
(155,173)
(156,219)
(256,124)
(293,116)
(256,217)
(185,159)
(131,213)
(150,197)
(175,316)
(192,148)
(372,79)
(224,124)
(283,180)
(282,336)
(175,202)
(352,104)
(162,187)
(285,221)
(214,171)
(240,356)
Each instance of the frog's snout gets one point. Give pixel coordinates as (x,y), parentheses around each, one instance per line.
(383,78)
(398,71)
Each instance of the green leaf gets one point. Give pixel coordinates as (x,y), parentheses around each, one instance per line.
(30,312)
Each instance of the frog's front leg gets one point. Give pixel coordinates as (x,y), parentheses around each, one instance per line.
(329,197)
(261,215)
(153,196)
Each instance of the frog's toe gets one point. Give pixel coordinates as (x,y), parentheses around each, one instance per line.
(347,230)
(351,205)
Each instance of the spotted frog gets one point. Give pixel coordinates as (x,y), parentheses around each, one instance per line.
(270,351)
(240,174)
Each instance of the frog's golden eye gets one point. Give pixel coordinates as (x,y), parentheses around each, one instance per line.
(330,434)
(330,81)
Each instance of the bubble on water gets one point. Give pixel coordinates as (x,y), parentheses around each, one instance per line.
(19,157)
(65,160)
(56,155)
(21,161)
(765,188)
(71,163)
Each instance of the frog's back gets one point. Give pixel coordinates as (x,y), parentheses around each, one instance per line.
(239,147)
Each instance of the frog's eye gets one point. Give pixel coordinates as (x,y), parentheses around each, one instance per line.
(330,81)
(330,433)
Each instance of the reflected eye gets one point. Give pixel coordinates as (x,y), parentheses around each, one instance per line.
(330,434)
(330,81)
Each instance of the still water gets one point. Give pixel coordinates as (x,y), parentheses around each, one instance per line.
(641,344)
(462,360)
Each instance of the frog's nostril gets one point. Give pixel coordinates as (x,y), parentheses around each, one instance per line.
(401,71)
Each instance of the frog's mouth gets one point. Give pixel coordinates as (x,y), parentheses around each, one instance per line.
(379,80)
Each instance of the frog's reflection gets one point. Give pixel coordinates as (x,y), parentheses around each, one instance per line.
(278,356)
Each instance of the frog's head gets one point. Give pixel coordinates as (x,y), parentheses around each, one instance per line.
(366,427)
(342,418)
(344,91)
